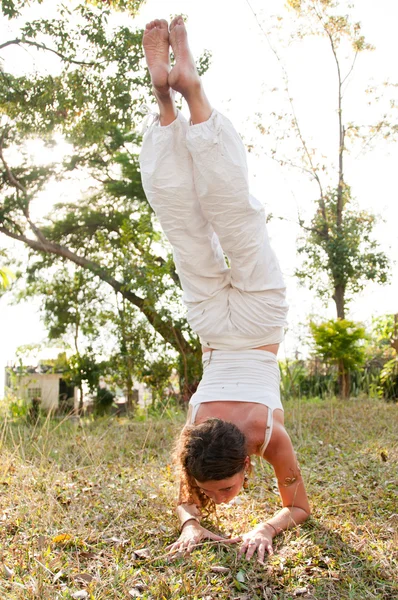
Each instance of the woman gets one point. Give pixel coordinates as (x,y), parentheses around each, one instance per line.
(195,178)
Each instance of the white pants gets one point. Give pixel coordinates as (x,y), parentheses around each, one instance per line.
(195,179)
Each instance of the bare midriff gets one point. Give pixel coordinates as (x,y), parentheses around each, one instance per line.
(269,348)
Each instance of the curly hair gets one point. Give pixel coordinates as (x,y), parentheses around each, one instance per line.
(213,450)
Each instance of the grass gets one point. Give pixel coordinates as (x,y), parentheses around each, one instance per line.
(86,511)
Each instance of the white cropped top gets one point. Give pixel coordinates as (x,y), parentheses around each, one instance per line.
(241,376)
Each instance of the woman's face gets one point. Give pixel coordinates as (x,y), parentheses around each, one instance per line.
(223,490)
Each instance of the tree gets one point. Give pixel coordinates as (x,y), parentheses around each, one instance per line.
(340,343)
(93,103)
(339,253)
(108,336)
(83,368)
(383,348)
(70,308)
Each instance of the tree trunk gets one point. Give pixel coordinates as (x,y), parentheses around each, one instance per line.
(394,338)
(338,297)
(80,407)
(190,372)
(344,381)
(130,406)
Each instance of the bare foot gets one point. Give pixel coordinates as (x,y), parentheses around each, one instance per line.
(156,48)
(183,77)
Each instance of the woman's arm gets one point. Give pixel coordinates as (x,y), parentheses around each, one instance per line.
(296,509)
(280,454)
(192,532)
(188,512)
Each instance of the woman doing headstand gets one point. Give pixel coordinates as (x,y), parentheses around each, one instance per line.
(195,178)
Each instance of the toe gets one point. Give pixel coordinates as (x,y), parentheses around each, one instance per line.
(163,24)
(174,22)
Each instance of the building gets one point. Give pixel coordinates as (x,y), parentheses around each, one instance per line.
(43,383)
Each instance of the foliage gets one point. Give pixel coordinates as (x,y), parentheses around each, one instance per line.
(340,342)
(103,401)
(98,511)
(92,101)
(383,335)
(341,254)
(157,376)
(6,276)
(132,6)
(338,251)
(308,379)
(84,368)
(12,8)
(71,301)
(389,379)
(385,345)
(17,408)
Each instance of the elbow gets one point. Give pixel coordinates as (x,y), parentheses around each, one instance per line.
(306,512)
(299,514)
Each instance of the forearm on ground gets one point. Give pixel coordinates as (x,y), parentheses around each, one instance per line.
(287,518)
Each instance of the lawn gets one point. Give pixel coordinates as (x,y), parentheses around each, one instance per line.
(87,509)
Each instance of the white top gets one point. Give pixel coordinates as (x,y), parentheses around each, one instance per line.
(240,376)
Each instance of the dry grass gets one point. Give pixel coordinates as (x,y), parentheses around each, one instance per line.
(78,503)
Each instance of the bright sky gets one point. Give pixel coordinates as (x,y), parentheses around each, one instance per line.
(242,71)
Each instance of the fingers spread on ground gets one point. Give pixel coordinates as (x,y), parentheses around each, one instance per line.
(250,551)
(261,552)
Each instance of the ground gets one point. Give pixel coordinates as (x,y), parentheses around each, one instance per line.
(86,511)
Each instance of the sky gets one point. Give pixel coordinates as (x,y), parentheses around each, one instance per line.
(243,71)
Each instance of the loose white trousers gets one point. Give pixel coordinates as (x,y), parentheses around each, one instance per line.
(195,178)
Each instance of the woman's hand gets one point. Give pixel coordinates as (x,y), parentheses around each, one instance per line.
(260,540)
(192,534)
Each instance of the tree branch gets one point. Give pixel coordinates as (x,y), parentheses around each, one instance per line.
(18,42)
(295,120)
(165,328)
(351,69)
(19,187)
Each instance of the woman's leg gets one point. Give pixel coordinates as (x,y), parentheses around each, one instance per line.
(167,177)
(256,303)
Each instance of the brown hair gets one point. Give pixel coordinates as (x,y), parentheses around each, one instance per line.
(213,450)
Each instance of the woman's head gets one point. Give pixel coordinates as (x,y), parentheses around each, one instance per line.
(213,459)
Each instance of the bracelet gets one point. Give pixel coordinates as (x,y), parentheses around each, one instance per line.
(276,533)
(189,519)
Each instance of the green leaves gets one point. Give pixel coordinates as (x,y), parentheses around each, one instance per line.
(90,98)
(12,8)
(340,342)
(132,6)
(6,277)
(341,254)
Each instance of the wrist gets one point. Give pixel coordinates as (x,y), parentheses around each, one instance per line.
(192,521)
(271,529)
